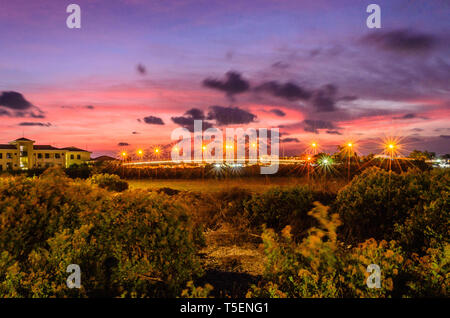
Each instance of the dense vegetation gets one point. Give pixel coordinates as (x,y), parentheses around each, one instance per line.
(124,242)
(136,243)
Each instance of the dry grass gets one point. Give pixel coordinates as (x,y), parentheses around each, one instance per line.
(258,184)
(233,260)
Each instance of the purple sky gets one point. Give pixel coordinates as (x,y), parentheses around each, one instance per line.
(136,69)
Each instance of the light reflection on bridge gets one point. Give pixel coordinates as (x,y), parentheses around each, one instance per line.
(224,162)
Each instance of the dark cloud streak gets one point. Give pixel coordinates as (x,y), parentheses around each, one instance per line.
(403,41)
(232,84)
(152,120)
(230,115)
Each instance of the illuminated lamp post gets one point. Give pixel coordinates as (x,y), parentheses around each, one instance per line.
(350,152)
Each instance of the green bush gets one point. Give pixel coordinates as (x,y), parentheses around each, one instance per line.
(428,224)
(129,244)
(322,266)
(110,182)
(279,207)
(32,210)
(376,201)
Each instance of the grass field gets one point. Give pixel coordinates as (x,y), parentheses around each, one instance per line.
(259,184)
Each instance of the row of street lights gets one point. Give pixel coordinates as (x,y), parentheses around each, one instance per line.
(139,152)
(157,151)
(390,149)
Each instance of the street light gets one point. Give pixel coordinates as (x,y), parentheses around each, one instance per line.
(314,146)
(349,152)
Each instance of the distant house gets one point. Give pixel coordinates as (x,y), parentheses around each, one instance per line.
(23,154)
(104,158)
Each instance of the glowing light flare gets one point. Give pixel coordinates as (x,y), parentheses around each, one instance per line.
(392,147)
(325,161)
(349,148)
(313,147)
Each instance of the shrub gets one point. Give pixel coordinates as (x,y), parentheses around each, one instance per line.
(32,210)
(428,224)
(301,270)
(376,200)
(320,266)
(430,274)
(279,207)
(134,243)
(110,182)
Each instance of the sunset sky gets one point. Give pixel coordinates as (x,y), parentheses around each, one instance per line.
(137,69)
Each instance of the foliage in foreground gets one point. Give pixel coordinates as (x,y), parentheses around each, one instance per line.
(411,207)
(277,208)
(110,182)
(123,242)
(145,243)
(321,266)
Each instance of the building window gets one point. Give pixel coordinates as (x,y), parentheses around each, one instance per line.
(1,167)
(39,156)
(47,156)
(78,157)
(9,165)
(9,155)
(1,156)
(57,156)
(72,157)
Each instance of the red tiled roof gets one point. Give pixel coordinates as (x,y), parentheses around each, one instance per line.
(45,147)
(23,139)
